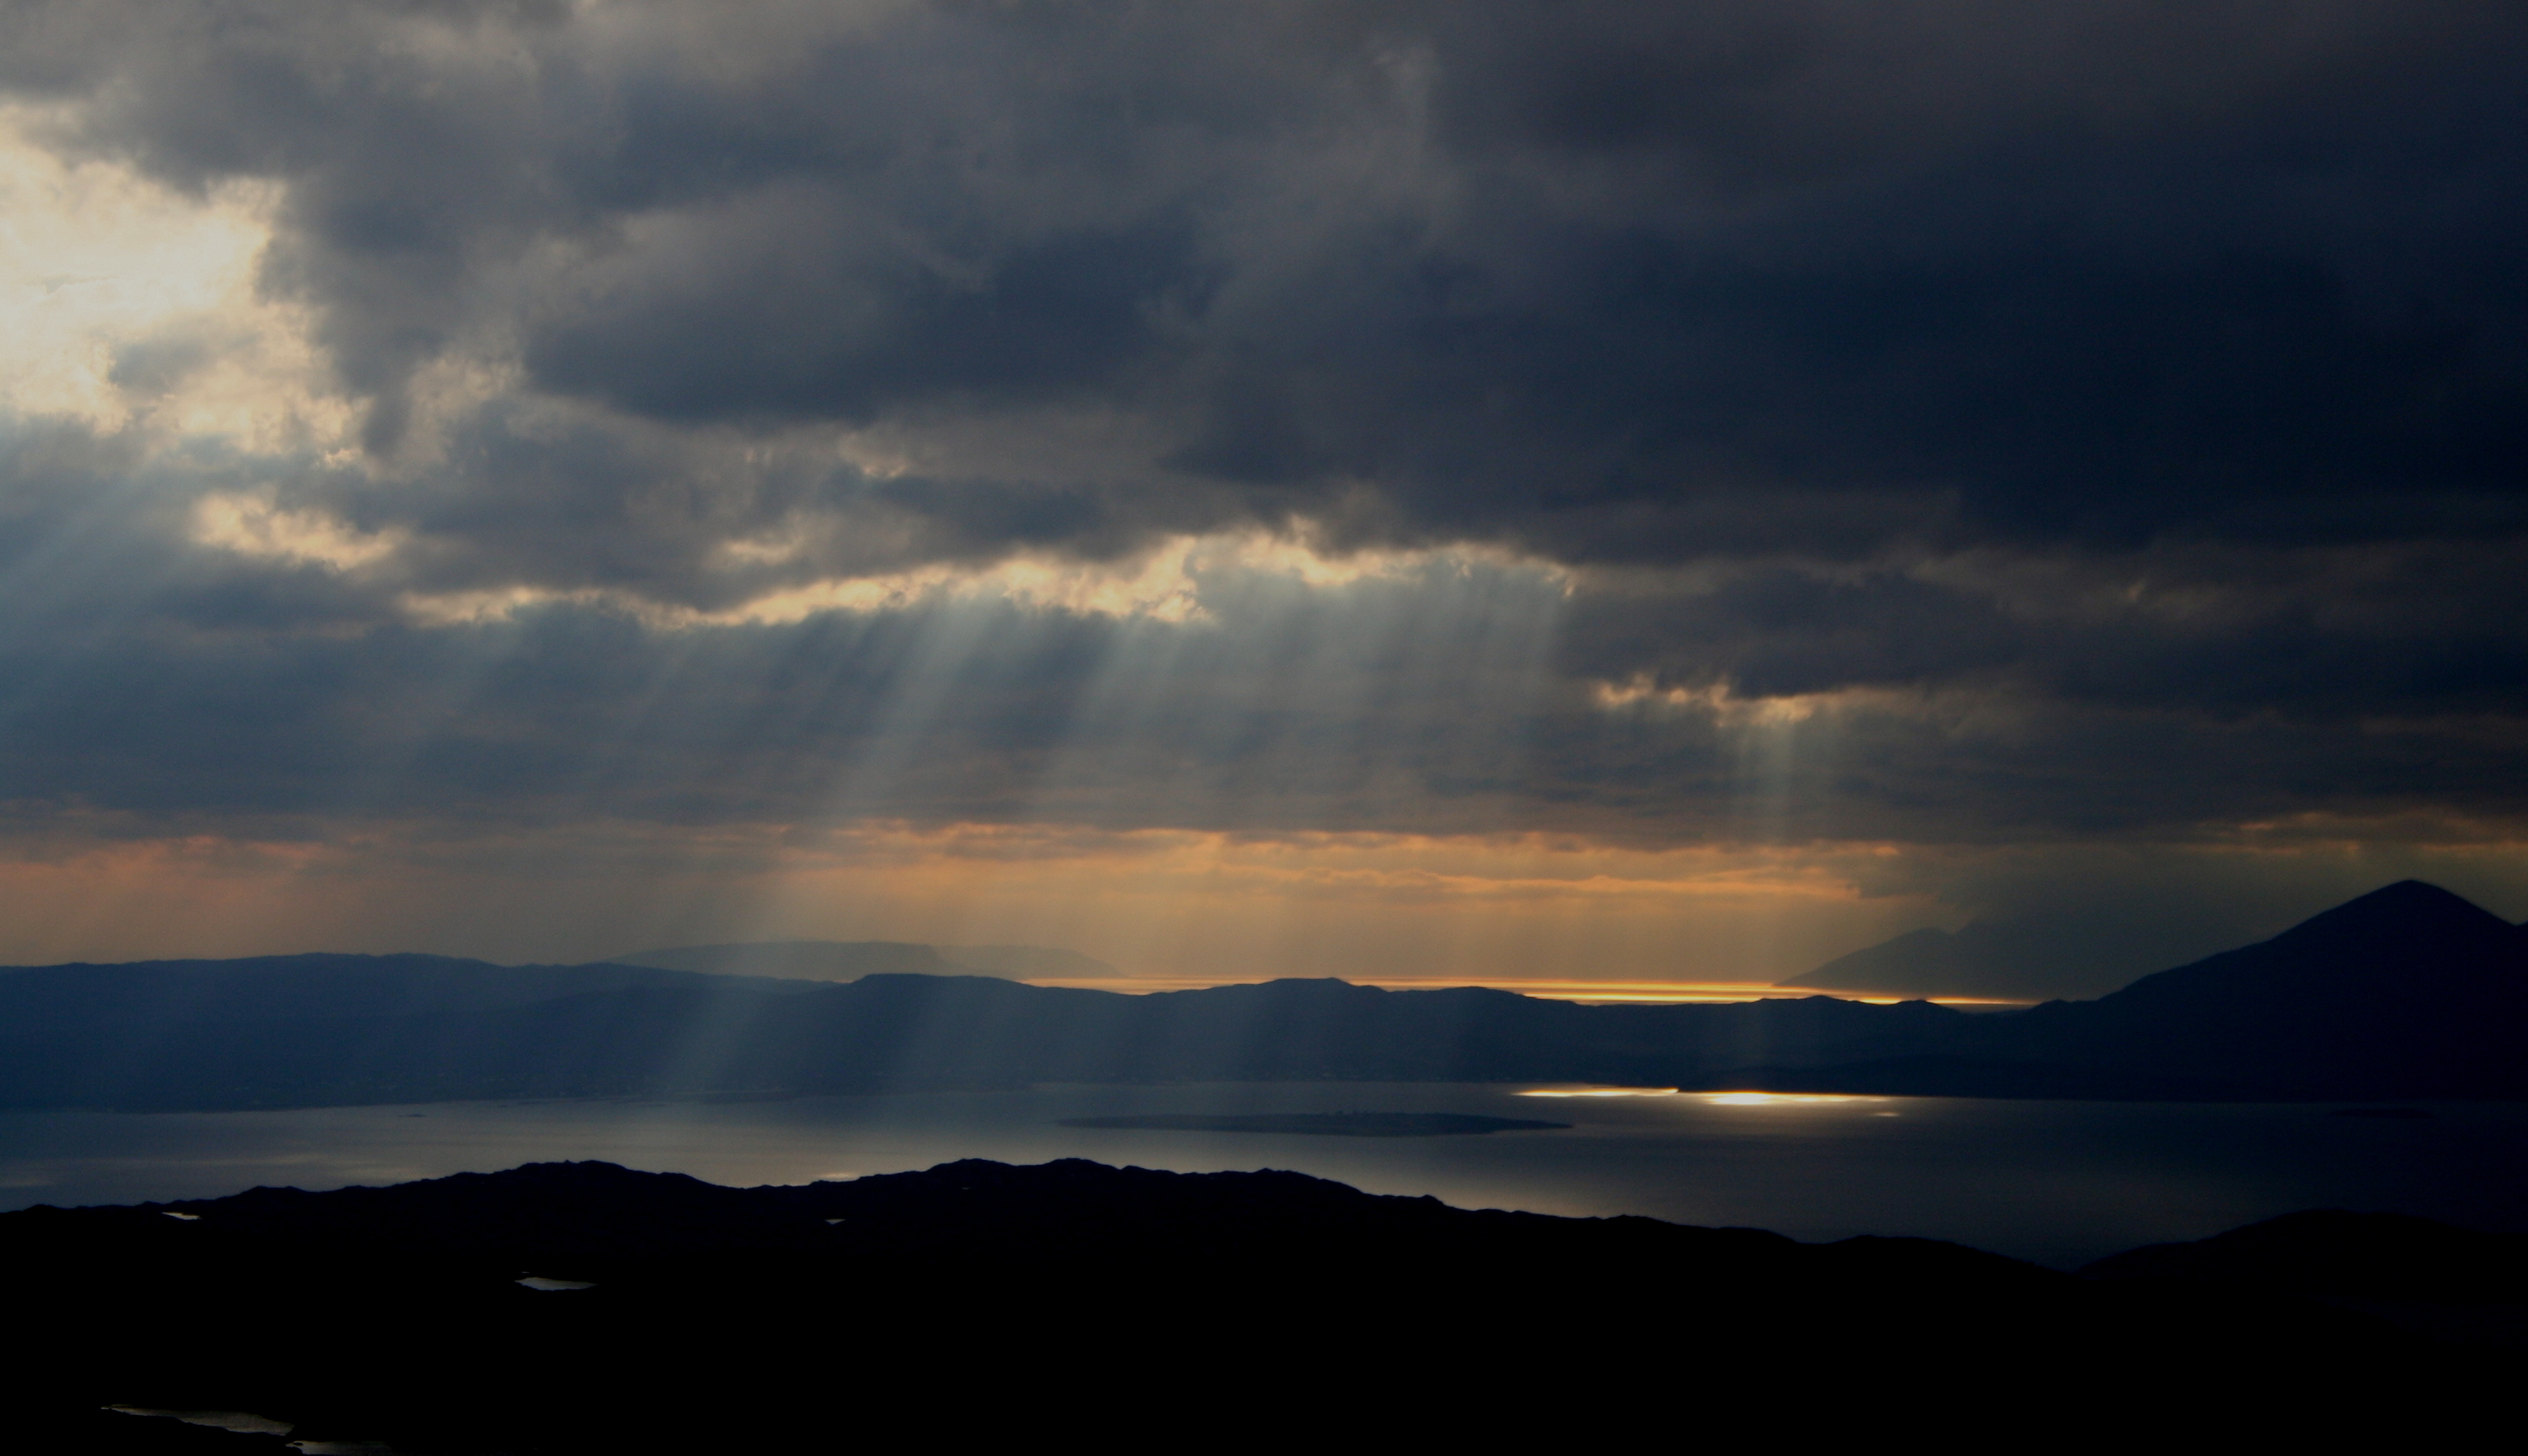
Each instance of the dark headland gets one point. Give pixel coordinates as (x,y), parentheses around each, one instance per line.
(980,1301)
(2406,993)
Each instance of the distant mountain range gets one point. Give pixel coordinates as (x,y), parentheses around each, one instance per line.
(2408,992)
(590,1308)
(849,960)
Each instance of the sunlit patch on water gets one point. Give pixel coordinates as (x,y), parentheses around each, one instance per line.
(1778,1099)
(1592,993)
(245,1422)
(539,1281)
(1599,1092)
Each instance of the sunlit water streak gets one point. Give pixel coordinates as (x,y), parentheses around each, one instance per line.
(2061,1183)
(1642,992)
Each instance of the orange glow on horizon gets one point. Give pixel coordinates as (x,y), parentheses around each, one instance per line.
(1549,915)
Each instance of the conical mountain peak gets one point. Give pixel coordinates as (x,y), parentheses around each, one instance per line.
(2406,908)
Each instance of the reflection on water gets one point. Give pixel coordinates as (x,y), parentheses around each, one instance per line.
(2060,1183)
(243,1421)
(249,1424)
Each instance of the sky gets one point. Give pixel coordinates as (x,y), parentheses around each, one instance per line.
(1451,490)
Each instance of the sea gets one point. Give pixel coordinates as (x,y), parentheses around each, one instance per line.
(2059,1183)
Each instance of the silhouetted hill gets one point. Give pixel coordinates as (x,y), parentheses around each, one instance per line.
(978,1300)
(2406,993)
(2345,1255)
(2454,1285)
(2415,939)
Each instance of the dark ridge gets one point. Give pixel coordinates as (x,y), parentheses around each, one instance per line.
(1000,1302)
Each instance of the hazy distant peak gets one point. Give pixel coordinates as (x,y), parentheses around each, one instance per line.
(1055,961)
(2004,960)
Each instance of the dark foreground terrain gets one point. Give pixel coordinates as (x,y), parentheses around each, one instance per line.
(1079,1303)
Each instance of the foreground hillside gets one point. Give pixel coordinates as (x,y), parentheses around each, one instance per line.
(980,1301)
(2409,992)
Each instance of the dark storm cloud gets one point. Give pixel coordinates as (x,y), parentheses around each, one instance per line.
(2134,398)
(1549,274)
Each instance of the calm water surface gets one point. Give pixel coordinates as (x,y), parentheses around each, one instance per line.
(2055,1181)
